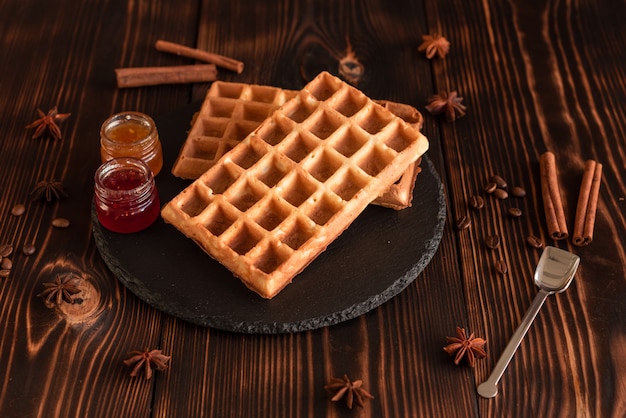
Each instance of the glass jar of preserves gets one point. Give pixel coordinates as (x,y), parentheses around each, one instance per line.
(126,197)
(131,134)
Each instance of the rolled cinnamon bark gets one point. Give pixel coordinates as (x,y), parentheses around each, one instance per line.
(198,54)
(152,76)
(585,220)
(552,203)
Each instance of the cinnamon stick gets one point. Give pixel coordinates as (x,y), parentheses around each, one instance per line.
(152,76)
(587,204)
(198,54)
(552,203)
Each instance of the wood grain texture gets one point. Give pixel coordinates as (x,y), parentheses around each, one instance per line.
(536,76)
(53,360)
(528,74)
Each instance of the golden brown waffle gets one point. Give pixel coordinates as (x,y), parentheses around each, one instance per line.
(400,194)
(231,111)
(282,195)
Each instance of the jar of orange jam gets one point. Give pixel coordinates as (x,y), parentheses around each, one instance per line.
(126,198)
(131,134)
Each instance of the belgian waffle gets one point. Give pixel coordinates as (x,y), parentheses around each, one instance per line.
(277,199)
(231,111)
(400,194)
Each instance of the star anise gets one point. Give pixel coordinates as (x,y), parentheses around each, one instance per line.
(448,103)
(147,359)
(48,190)
(353,392)
(61,289)
(350,67)
(47,124)
(463,346)
(434,45)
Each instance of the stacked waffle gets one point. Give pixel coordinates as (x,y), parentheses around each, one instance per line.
(231,111)
(279,197)
(228,114)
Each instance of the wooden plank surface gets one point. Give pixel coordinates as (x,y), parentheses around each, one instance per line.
(58,362)
(535,77)
(531,74)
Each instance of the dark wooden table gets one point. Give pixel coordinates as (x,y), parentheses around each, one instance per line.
(535,76)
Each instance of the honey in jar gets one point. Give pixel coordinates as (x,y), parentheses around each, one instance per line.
(131,134)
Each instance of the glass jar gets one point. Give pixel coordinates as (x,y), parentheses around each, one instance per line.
(131,134)
(126,197)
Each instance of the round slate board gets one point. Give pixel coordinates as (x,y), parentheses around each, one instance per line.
(373,260)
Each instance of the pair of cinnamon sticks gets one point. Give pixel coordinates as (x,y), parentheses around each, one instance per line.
(584,221)
(178,74)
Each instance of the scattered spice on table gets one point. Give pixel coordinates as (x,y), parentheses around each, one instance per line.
(48,124)
(446,103)
(551,194)
(350,68)
(463,346)
(29,249)
(490,187)
(174,74)
(60,223)
(5,262)
(492,241)
(434,45)
(518,191)
(146,360)
(48,190)
(463,222)
(63,288)
(476,202)
(351,391)
(500,194)
(587,204)
(201,55)
(514,212)
(534,241)
(6,250)
(18,209)
(499,181)
(501,267)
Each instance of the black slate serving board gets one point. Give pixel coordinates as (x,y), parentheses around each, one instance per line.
(381,253)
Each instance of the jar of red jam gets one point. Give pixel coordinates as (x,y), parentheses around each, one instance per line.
(131,134)
(126,197)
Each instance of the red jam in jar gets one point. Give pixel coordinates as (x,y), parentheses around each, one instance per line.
(131,134)
(126,197)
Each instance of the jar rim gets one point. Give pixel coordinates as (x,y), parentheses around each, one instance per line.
(122,117)
(111,166)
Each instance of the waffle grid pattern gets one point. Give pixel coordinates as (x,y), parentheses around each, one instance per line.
(278,198)
(228,114)
(230,111)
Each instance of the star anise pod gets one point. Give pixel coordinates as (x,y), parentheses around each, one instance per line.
(350,68)
(353,392)
(61,289)
(47,124)
(463,346)
(434,45)
(48,190)
(147,359)
(448,103)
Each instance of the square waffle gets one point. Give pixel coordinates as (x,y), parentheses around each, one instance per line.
(277,199)
(400,194)
(231,111)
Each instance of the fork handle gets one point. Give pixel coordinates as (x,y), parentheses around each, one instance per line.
(489,388)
